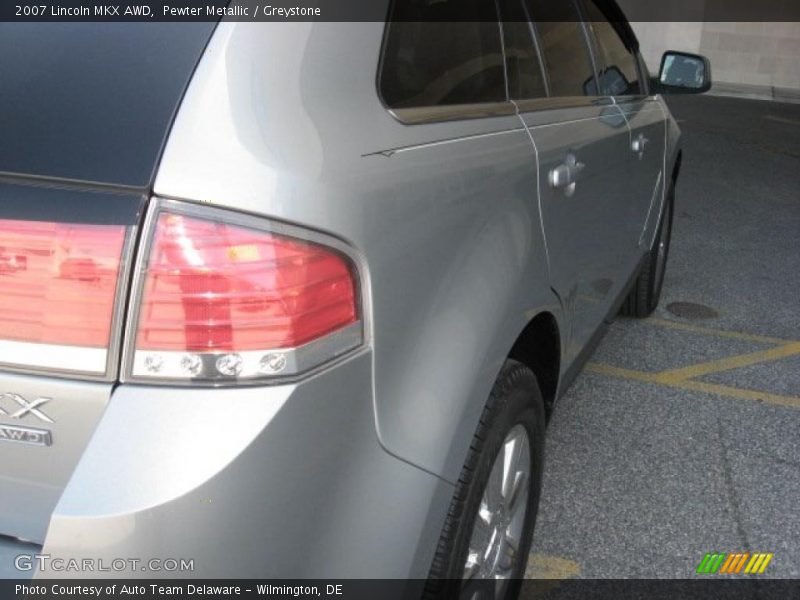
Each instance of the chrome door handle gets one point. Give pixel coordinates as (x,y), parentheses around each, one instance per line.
(566,174)
(638,144)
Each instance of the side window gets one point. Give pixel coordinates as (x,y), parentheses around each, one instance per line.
(563,45)
(525,78)
(617,64)
(442,52)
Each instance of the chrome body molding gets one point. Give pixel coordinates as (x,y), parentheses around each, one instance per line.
(73,360)
(457,112)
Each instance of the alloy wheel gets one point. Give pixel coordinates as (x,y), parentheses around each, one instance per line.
(493,552)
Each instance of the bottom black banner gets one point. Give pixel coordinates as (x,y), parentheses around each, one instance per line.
(366,589)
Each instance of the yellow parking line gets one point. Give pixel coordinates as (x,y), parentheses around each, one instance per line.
(695,386)
(684,378)
(728,363)
(547,566)
(723,333)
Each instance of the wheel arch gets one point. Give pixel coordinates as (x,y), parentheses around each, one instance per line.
(676,167)
(538,347)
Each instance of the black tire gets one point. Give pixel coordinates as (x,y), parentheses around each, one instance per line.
(515,400)
(646,292)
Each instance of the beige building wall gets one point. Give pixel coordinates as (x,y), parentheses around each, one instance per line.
(654,38)
(751,59)
(758,54)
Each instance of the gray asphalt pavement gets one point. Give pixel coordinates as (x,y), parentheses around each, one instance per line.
(683,436)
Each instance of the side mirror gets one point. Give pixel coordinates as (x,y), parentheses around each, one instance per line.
(683,73)
(612,83)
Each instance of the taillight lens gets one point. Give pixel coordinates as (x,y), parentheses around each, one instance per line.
(58,285)
(222,301)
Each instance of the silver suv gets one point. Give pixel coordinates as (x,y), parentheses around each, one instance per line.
(296,299)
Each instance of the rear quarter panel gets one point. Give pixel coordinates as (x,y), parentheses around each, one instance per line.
(445,215)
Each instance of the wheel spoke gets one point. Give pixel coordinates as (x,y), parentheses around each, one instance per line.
(511,453)
(481,537)
(473,566)
(519,493)
(484,512)
(493,495)
(517,523)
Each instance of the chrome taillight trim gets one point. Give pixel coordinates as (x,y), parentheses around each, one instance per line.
(300,362)
(53,357)
(127,265)
(280,362)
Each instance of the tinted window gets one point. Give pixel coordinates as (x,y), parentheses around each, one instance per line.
(522,63)
(618,73)
(441,62)
(565,54)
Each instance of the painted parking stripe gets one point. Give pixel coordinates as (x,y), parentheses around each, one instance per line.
(728,363)
(695,386)
(547,566)
(685,378)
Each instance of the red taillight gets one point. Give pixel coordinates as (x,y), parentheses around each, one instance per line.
(221,300)
(58,284)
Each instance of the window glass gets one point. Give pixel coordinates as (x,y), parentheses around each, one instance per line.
(430,61)
(563,46)
(522,63)
(618,73)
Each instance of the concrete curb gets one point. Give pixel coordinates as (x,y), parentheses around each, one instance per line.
(758,92)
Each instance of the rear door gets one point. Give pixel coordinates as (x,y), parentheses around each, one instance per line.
(581,142)
(620,76)
(463,191)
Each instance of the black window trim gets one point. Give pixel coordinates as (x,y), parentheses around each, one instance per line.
(502,49)
(537,46)
(566,101)
(553,102)
(616,18)
(589,42)
(644,73)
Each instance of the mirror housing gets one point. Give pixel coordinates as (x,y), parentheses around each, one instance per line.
(683,73)
(612,83)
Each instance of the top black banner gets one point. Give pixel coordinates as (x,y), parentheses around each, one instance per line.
(371,10)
